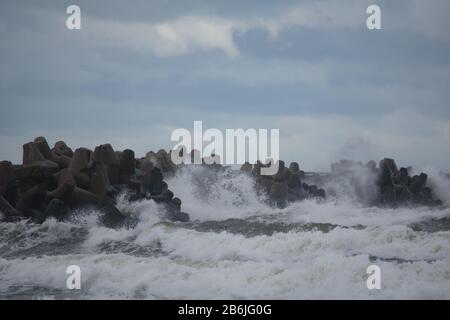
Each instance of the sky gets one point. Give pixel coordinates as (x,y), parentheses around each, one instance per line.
(139,69)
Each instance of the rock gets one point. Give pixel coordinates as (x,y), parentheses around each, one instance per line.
(247,168)
(418,182)
(426,191)
(62,160)
(294,180)
(312,190)
(165,160)
(26,211)
(299,193)
(257,168)
(118,155)
(116,190)
(62,149)
(316,192)
(264,184)
(151,181)
(111,217)
(158,198)
(82,198)
(387,169)
(6,172)
(389,195)
(127,163)
(63,192)
(390,164)
(167,194)
(402,193)
(65,176)
(282,175)
(279,193)
(48,168)
(42,145)
(281,166)
(34,198)
(31,154)
(52,182)
(147,166)
(10,192)
(178,216)
(113,174)
(401,177)
(7,209)
(293,167)
(134,185)
(177,202)
(105,153)
(98,185)
(320,193)
(139,163)
(159,188)
(82,180)
(80,160)
(302,174)
(125,178)
(153,158)
(48,184)
(292,197)
(37,171)
(57,209)
(102,169)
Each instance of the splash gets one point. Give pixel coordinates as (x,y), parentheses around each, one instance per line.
(216,195)
(236,247)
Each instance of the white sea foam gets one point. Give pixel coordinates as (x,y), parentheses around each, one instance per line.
(291,265)
(189,264)
(227,195)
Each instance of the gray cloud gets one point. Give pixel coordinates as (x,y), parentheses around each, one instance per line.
(309,67)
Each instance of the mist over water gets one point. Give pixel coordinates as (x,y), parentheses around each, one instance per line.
(236,246)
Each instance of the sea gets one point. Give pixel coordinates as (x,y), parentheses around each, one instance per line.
(236,246)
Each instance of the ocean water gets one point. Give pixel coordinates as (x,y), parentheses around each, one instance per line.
(235,247)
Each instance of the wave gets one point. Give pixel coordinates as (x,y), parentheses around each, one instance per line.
(236,247)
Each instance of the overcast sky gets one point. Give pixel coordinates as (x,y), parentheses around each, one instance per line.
(139,69)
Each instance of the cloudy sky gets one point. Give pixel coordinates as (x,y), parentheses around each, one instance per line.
(139,69)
